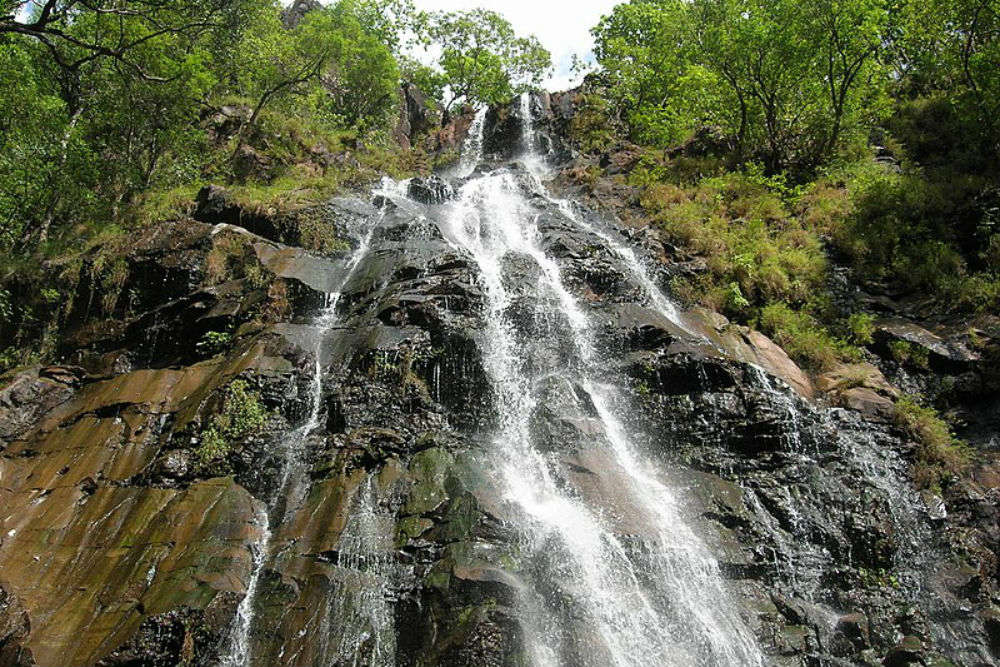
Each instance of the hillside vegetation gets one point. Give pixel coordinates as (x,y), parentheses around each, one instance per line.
(114,113)
(775,139)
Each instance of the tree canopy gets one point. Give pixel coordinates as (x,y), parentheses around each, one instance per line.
(785,80)
(483,59)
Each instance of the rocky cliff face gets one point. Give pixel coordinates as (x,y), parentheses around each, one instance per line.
(252,452)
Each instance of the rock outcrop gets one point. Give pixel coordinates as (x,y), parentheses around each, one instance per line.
(138,505)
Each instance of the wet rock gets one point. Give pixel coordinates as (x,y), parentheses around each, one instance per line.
(502,131)
(852,632)
(936,508)
(430,190)
(215,205)
(860,387)
(950,352)
(795,501)
(30,394)
(753,347)
(909,651)
(15,626)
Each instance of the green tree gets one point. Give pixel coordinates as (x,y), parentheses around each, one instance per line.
(362,78)
(953,46)
(77,32)
(852,33)
(327,46)
(483,59)
(782,79)
(644,48)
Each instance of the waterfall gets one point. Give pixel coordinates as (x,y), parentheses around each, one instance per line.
(539,172)
(238,652)
(597,592)
(472,149)
(360,617)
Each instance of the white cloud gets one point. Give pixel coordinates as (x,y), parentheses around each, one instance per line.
(563,27)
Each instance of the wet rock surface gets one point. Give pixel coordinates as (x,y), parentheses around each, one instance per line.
(126,540)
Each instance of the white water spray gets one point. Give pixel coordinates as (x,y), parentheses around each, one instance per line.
(653,601)
(290,486)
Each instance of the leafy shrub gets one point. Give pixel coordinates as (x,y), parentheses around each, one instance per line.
(214,342)
(805,339)
(242,415)
(861,327)
(590,126)
(905,352)
(741,224)
(939,454)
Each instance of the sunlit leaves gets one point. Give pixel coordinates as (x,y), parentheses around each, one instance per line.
(483,60)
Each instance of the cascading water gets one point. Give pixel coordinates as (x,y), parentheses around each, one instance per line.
(538,170)
(359,624)
(598,593)
(611,572)
(239,652)
(472,150)
(876,465)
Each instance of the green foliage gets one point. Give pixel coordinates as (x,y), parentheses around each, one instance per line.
(954,46)
(880,578)
(861,327)
(214,446)
(926,230)
(483,60)
(241,416)
(906,353)
(232,257)
(756,251)
(102,104)
(430,81)
(804,338)
(939,454)
(6,308)
(590,126)
(789,82)
(214,342)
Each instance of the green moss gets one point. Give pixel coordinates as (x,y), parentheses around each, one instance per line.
(428,472)
(214,445)
(156,206)
(880,578)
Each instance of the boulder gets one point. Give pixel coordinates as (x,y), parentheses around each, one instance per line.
(909,651)
(430,190)
(416,118)
(751,346)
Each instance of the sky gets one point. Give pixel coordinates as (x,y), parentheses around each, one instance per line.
(562,26)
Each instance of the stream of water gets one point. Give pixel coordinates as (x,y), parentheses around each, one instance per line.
(603,595)
(291,486)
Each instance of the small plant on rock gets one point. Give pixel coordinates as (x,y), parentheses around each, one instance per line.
(242,415)
(861,327)
(905,352)
(214,342)
(939,454)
